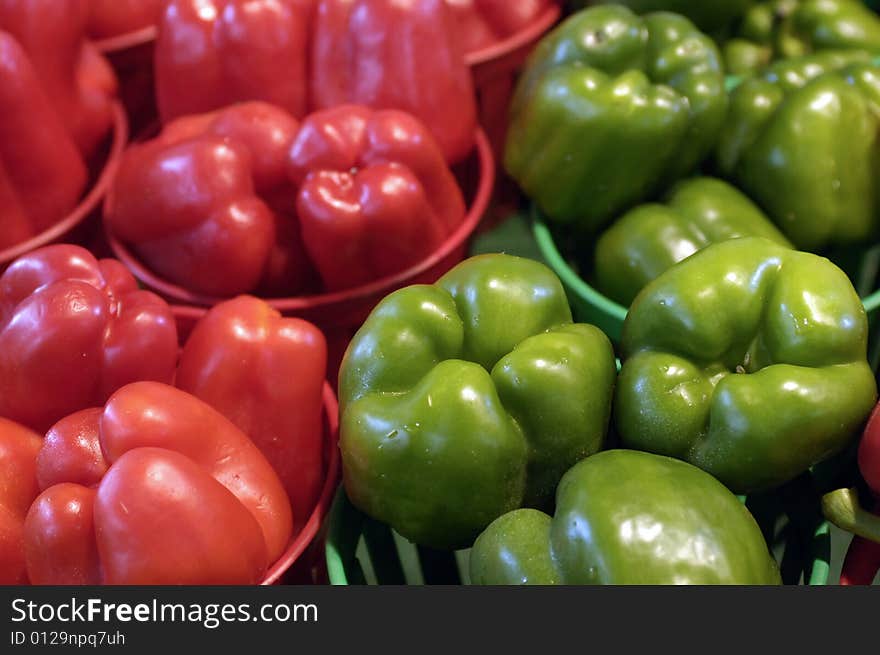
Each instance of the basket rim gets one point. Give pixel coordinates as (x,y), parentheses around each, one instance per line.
(113,44)
(302,540)
(531,32)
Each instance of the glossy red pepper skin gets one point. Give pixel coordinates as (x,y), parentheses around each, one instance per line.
(42,174)
(212,53)
(208,203)
(483,23)
(862,560)
(74,329)
(365,52)
(186,498)
(869,452)
(861,563)
(71,451)
(375,194)
(78,81)
(108,18)
(266,374)
(18,488)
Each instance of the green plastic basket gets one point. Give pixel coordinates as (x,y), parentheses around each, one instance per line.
(590,306)
(360,550)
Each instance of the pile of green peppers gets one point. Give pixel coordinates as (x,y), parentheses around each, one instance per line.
(703,163)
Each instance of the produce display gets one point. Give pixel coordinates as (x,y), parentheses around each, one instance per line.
(439,292)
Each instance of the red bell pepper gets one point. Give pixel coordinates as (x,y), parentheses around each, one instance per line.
(869,452)
(73,330)
(108,18)
(483,23)
(376,195)
(18,488)
(71,451)
(389,54)
(212,53)
(78,81)
(266,374)
(186,497)
(861,563)
(42,174)
(208,203)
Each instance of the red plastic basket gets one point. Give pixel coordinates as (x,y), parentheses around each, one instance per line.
(303,561)
(75,227)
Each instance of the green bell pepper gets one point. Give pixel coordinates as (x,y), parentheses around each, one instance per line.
(748,360)
(611,108)
(784,29)
(651,238)
(709,15)
(626,517)
(802,141)
(463,400)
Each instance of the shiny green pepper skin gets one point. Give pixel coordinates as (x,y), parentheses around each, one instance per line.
(708,15)
(651,238)
(783,29)
(747,360)
(628,518)
(464,400)
(802,141)
(611,108)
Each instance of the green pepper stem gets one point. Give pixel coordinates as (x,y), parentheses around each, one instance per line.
(842,508)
